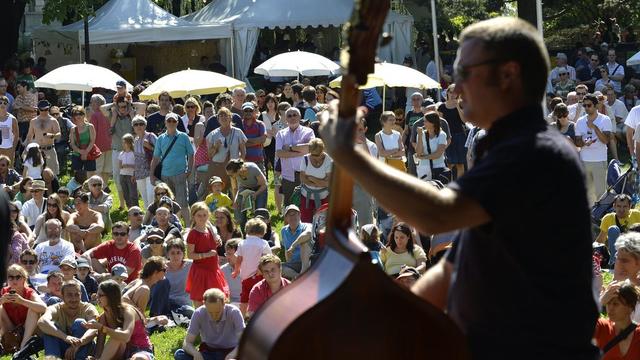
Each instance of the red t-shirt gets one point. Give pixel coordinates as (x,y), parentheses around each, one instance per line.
(17,313)
(103,130)
(260,293)
(605,332)
(129,256)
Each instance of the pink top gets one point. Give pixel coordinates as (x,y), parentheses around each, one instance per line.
(139,337)
(261,292)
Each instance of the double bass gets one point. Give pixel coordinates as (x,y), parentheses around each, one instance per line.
(346,307)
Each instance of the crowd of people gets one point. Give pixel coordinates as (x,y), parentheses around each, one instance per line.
(193,175)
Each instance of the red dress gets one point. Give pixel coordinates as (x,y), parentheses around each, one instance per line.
(17,313)
(204,273)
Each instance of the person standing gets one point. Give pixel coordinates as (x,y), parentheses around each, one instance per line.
(256,134)
(61,144)
(592,135)
(25,107)
(143,145)
(102,126)
(8,130)
(121,115)
(501,73)
(174,150)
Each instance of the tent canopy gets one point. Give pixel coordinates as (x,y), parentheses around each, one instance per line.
(130,21)
(248,16)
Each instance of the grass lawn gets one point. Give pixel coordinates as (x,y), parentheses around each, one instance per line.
(166,343)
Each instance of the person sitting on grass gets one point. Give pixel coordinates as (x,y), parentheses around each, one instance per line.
(53,292)
(62,325)
(20,307)
(271,269)
(617,222)
(90,283)
(124,324)
(68,268)
(218,325)
(627,262)
(138,292)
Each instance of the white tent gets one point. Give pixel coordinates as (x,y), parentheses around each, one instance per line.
(634,60)
(247,17)
(131,21)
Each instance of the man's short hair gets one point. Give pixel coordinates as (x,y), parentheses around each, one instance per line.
(121,225)
(622,197)
(237,91)
(53,221)
(513,39)
(255,226)
(69,284)
(581,86)
(292,109)
(592,98)
(214,295)
(297,89)
(309,94)
(83,197)
(55,274)
(232,244)
(23,83)
(629,242)
(268,259)
(99,99)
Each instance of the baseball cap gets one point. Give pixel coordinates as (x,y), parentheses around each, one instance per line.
(172,115)
(215,180)
(69,262)
(44,105)
(83,263)
(248,105)
(32,145)
(408,272)
(291,207)
(121,83)
(561,56)
(119,270)
(263,214)
(155,233)
(562,71)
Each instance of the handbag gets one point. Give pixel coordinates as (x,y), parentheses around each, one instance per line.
(94,153)
(11,340)
(158,170)
(441,174)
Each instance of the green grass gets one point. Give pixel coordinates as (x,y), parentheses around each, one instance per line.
(166,343)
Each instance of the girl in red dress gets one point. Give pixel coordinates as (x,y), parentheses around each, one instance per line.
(202,242)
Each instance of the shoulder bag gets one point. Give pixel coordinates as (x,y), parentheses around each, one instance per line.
(441,174)
(158,170)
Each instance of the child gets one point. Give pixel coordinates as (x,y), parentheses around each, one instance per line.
(235,285)
(89,282)
(216,197)
(249,252)
(119,274)
(33,162)
(127,162)
(202,242)
(69,267)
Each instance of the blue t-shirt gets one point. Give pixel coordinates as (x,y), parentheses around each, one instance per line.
(288,238)
(176,161)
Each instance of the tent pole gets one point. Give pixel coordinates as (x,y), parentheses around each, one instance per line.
(233,67)
(384,96)
(436,51)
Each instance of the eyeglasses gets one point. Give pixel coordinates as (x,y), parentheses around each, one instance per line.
(292,115)
(136,214)
(461,72)
(96,185)
(173,121)
(28,262)
(52,205)
(14,277)
(44,109)
(119,233)
(190,107)
(158,241)
(581,93)
(4,102)
(138,124)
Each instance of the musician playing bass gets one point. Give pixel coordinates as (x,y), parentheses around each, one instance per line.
(493,282)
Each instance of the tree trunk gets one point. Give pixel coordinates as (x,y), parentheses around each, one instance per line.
(176,5)
(13,11)
(87,53)
(527,11)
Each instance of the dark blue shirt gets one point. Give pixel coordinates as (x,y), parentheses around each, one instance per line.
(505,296)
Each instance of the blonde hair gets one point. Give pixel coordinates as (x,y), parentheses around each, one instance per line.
(18,269)
(214,295)
(164,187)
(316,146)
(386,116)
(199,206)
(255,226)
(128,139)
(225,111)
(193,101)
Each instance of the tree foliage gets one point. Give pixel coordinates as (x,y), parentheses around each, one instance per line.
(69,11)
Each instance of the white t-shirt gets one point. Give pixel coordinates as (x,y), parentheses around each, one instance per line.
(441,139)
(34,172)
(389,141)
(50,257)
(573,109)
(616,69)
(318,172)
(251,249)
(127,158)
(31,211)
(619,110)
(598,150)
(267,120)
(633,118)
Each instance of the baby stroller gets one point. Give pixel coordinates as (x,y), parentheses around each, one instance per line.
(618,182)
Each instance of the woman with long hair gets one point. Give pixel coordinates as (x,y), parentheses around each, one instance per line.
(123,323)
(389,142)
(192,116)
(18,244)
(431,144)
(202,242)
(269,117)
(54,211)
(402,250)
(226,227)
(20,305)
(160,191)
(81,138)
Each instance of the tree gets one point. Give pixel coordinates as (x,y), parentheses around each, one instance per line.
(13,11)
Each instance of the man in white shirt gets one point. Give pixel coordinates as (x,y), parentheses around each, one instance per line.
(616,71)
(631,123)
(592,135)
(54,250)
(576,110)
(35,206)
(618,111)
(561,61)
(249,252)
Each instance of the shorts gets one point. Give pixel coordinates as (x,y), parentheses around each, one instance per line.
(103,163)
(247,285)
(85,165)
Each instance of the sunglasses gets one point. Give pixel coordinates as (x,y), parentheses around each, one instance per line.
(52,205)
(28,262)
(36,190)
(138,124)
(117,233)
(4,102)
(96,185)
(462,72)
(248,110)
(14,277)
(190,107)
(292,115)
(136,214)
(158,241)
(172,121)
